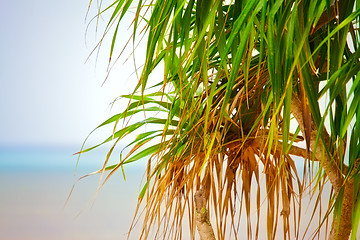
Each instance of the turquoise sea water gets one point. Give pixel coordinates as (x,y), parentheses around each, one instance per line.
(34,186)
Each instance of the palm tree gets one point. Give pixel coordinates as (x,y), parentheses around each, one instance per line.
(259,107)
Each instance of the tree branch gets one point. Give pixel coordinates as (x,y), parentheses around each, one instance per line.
(342,221)
(331,168)
(203,224)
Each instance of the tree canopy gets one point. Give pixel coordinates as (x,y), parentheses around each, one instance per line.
(259,106)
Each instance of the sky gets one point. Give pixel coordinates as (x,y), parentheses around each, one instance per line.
(49,96)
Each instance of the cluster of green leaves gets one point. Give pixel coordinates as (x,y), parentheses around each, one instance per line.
(232,70)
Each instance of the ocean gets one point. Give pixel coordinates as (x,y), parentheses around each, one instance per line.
(35,184)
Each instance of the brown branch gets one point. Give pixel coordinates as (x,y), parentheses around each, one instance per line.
(203,224)
(331,168)
(325,18)
(293,150)
(341,229)
(342,222)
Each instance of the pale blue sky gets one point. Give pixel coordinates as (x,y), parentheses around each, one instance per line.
(48,95)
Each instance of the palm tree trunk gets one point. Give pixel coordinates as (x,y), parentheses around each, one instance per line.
(203,224)
(342,223)
(342,229)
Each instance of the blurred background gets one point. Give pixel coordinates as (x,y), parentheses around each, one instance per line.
(52,95)
(50,100)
